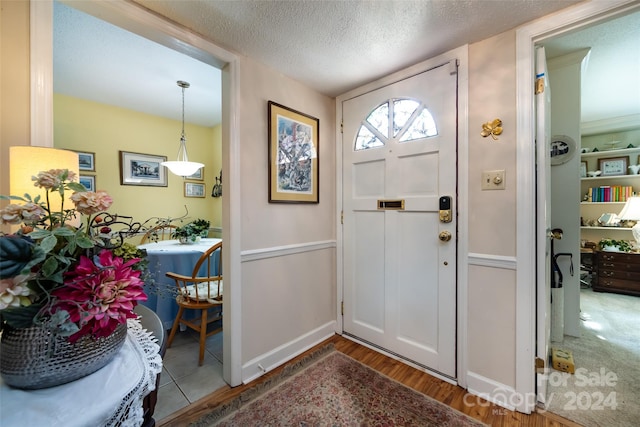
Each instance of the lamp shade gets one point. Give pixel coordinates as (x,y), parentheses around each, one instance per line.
(631,209)
(27,161)
(182,168)
(631,212)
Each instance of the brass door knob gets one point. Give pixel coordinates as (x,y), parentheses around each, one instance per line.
(444,236)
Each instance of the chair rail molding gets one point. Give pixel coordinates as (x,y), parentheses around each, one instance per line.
(494,261)
(277,251)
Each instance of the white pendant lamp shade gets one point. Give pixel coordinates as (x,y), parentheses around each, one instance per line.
(182,166)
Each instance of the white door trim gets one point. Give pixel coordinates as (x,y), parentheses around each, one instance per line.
(461,54)
(138,20)
(526,36)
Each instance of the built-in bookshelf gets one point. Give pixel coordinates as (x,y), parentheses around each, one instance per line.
(606,194)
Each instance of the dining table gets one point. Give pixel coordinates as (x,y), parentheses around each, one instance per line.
(166,256)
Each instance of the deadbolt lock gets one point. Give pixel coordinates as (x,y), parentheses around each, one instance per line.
(444,236)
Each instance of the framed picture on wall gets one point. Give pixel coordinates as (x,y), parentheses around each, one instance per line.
(612,166)
(89,182)
(86,161)
(193,189)
(198,176)
(142,169)
(293,156)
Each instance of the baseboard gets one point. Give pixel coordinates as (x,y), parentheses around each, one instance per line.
(493,391)
(268,361)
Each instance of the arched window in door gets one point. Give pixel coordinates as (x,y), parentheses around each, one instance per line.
(400,119)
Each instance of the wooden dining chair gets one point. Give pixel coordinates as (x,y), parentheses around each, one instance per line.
(159,232)
(200,292)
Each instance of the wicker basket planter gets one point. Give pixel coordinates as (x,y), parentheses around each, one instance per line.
(33,358)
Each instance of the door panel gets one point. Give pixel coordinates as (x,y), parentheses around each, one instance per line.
(543,219)
(400,279)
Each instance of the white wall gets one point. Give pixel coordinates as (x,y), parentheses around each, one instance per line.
(491,319)
(288,262)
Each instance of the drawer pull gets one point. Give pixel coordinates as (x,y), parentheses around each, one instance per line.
(608,273)
(606,264)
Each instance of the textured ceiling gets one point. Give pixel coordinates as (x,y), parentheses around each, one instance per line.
(611,81)
(331,46)
(335,46)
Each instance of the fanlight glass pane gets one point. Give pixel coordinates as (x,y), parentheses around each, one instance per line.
(422,127)
(366,139)
(379,119)
(402,111)
(408,114)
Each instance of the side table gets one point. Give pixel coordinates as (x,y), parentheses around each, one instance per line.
(110,396)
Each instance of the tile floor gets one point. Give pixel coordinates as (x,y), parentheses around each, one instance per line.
(182,381)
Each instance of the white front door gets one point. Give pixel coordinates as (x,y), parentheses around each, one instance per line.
(399,151)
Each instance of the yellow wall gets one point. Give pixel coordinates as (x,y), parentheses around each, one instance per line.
(14,83)
(105,130)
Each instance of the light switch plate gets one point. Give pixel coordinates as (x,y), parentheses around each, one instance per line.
(493,180)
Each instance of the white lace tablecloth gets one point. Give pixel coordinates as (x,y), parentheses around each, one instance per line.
(111,396)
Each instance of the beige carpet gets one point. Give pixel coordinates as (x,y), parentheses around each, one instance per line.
(605,391)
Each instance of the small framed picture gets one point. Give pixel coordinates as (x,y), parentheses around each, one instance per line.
(86,161)
(198,176)
(89,182)
(193,189)
(583,169)
(142,169)
(613,166)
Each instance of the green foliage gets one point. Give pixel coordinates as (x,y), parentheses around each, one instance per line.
(192,230)
(622,245)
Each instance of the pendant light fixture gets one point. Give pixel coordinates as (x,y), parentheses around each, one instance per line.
(182,166)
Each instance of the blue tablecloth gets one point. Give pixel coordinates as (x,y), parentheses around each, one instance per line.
(169,255)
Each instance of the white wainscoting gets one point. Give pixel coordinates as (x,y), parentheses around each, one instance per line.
(270,360)
(493,391)
(282,354)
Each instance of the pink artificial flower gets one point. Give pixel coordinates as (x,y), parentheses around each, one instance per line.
(89,202)
(16,214)
(53,178)
(14,292)
(100,297)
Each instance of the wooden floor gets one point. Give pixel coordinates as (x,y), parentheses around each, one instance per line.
(454,396)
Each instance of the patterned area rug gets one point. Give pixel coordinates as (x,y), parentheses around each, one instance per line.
(332,389)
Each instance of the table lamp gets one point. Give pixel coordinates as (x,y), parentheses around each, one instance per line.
(27,161)
(631,212)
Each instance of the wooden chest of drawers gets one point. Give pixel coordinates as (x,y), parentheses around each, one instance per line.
(617,272)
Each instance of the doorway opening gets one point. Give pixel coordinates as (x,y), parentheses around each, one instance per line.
(526,38)
(134,18)
(600,311)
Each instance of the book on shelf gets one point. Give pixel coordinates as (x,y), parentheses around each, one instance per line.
(609,193)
